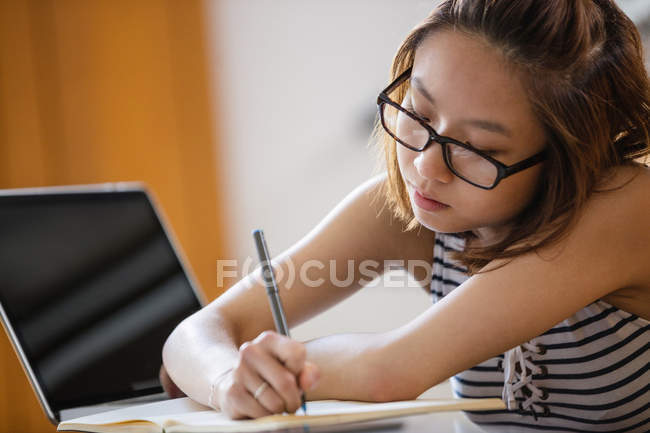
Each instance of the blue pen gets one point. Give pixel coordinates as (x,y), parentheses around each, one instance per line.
(272,292)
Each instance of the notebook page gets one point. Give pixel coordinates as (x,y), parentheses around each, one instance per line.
(326,412)
(145,412)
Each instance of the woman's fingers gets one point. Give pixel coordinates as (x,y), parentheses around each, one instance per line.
(236,402)
(271,370)
(259,389)
(266,378)
(290,352)
(309,376)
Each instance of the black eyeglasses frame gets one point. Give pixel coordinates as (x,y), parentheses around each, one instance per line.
(503,170)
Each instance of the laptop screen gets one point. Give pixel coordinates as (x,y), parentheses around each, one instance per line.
(92,288)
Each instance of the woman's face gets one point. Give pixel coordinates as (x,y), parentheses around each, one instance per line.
(467,91)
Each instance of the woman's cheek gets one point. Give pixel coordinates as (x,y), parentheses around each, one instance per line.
(404,160)
(508,201)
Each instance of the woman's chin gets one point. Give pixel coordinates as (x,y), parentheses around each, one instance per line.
(438,224)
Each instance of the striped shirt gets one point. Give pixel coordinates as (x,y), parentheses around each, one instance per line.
(589,373)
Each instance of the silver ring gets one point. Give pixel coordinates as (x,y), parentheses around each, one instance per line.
(260,389)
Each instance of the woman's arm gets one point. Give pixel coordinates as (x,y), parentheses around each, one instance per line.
(207,344)
(500,309)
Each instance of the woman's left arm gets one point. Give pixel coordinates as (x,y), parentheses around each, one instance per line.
(606,250)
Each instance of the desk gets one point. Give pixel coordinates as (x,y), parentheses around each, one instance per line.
(442,422)
(455,421)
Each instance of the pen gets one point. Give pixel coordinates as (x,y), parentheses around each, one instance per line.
(272,292)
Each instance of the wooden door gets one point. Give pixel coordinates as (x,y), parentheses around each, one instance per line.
(101,91)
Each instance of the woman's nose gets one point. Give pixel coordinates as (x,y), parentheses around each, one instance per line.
(430,164)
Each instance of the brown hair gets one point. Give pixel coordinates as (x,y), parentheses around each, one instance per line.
(581,62)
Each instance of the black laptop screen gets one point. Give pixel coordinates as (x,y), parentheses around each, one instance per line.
(92,288)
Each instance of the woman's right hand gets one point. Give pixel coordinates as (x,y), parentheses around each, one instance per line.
(272,359)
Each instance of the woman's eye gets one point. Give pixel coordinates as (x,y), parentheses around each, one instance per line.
(490,152)
(407,104)
(410,108)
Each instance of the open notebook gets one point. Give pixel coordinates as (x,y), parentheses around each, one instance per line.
(185,415)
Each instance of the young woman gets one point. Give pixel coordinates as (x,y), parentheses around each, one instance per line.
(512,133)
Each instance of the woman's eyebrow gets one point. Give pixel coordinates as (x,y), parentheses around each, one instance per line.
(487,125)
(415,82)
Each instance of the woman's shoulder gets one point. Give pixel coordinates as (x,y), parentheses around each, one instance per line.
(626,188)
(621,211)
(617,213)
(611,231)
(624,174)
(364,224)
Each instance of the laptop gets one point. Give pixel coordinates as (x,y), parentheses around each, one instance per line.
(91,284)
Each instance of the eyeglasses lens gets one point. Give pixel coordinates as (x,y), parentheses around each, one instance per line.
(470,165)
(404,128)
(464,162)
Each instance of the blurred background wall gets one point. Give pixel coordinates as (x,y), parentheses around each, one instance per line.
(298,83)
(238,114)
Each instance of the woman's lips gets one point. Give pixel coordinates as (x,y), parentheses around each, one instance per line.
(428,203)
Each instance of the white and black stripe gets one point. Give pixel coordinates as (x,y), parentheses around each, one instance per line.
(596,366)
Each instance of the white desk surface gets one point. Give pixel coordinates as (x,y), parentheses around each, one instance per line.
(455,421)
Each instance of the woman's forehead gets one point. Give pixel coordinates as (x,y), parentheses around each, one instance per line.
(466,78)
(456,57)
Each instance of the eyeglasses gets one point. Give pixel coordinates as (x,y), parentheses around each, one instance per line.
(468,163)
